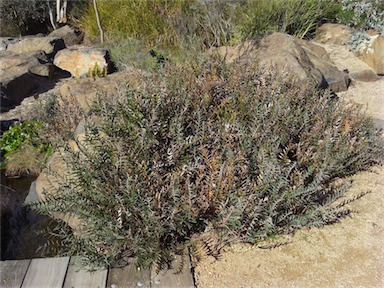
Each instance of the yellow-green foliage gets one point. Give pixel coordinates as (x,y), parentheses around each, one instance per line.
(26,160)
(96,71)
(144,19)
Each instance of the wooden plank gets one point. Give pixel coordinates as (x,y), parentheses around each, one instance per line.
(82,278)
(46,272)
(129,277)
(179,276)
(12,273)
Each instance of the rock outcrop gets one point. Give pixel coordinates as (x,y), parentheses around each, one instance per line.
(50,45)
(5,41)
(83,61)
(70,35)
(20,75)
(26,67)
(335,79)
(292,58)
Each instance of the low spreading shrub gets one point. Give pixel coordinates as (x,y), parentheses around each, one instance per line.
(60,116)
(131,52)
(201,158)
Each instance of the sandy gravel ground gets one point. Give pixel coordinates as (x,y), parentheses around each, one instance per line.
(347,254)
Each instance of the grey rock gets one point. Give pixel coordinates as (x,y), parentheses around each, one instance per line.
(366,75)
(16,84)
(50,45)
(32,196)
(70,35)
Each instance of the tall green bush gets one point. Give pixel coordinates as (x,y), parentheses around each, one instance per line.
(295,17)
(168,24)
(142,19)
(199,158)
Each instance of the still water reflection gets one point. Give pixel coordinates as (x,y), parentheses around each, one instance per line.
(24,234)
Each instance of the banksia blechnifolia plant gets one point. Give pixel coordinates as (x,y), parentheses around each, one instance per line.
(201,158)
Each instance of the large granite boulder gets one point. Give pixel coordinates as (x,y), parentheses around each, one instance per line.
(16,84)
(81,61)
(50,45)
(70,35)
(371,52)
(336,80)
(292,58)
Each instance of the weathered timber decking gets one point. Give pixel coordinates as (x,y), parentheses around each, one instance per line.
(61,272)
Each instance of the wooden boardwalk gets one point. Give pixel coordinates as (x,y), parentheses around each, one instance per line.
(61,272)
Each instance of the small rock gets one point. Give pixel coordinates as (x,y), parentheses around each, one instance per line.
(364,76)
(333,34)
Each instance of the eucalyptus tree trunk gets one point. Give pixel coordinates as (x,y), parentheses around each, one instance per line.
(98,22)
(61,11)
(51,15)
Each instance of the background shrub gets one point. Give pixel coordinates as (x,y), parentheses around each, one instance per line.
(179,27)
(201,158)
(23,17)
(131,52)
(295,17)
(362,15)
(27,17)
(142,19)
